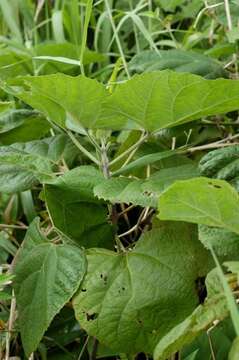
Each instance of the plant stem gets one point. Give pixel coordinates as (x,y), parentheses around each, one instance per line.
(104,160)
(133,147)
(215,144)
(6,226)
(83,348)
(82,149)
(117,37)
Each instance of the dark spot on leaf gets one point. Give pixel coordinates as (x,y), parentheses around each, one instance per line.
(123,288)
(147,193)
(214,185)
(90,317)
(83,290)
(201,289)
(104,278)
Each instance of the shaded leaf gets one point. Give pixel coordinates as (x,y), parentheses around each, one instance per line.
(178,60)
(22,165)
(47,276)
(193,326)
(75,211)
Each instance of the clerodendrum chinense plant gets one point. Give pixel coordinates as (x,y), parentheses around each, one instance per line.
(127,176)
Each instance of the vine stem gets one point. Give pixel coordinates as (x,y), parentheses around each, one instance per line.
(117,37)
(215,144)
(82,149)
(20,227)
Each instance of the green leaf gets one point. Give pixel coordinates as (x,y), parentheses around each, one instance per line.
(5,105)
(27,128)
(143,192)
(65,50)
(162,99)
(202,201)
(23,165)
(225,243)
(60,59)
(150,101)
(20,171)
(222,164)
(191,327)
(125,190)
(47,276)
(178,60)
(6,244)
(14,64)
(10,13)
(146,160)
(128,301)
(233,354)
(74,209)
(60,96)
(169,5)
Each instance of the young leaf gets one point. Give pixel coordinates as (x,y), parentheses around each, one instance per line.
(128,301)
(202,201)
(47,276)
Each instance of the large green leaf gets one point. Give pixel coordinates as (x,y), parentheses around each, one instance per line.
(178,60)
(60,97)
(150,101)
(74,209)
(22,165)
(128,301)
(157,100)
(46,277)
(203,201)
